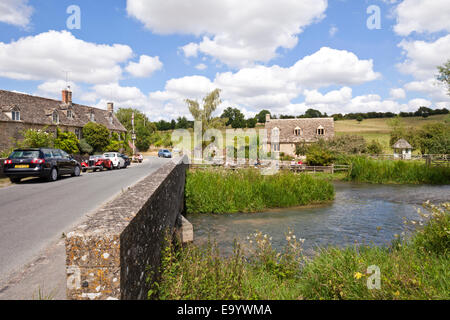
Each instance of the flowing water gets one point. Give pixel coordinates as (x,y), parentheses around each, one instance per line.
(361,213)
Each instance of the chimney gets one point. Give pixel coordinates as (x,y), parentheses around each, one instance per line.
(67,96)
(110,107)
(268,117)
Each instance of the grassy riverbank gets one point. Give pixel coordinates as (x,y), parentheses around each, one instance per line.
(227,191)
(388,171)
(418,268)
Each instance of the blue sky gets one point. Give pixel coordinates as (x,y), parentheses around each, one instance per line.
(285,56)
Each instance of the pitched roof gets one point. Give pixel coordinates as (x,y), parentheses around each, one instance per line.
(402,144)
(308,128)
(38,110)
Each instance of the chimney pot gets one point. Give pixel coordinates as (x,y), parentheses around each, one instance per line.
(268,117)
(67,96)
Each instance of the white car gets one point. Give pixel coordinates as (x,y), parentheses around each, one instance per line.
(117,161)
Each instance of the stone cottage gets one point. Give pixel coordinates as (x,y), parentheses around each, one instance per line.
(295,131)
(19,112)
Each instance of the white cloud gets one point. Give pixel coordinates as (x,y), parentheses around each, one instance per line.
(434,89)
(333,30)
(201,66)
(417,103)
(48,55)
(235,32)
(397,93)
(422,58)
(272,87)
(15,12)
(52,89)
(422,16)
(146,66)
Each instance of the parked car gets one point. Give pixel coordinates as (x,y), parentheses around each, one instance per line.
(164,153)
(40,162)
(117,161)
(126,158)
(96,162)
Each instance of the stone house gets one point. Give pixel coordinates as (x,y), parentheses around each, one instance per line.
(295,131)
(19,112)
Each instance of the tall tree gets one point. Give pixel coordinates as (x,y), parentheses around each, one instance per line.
(261,116)
(444,74)
(143,127)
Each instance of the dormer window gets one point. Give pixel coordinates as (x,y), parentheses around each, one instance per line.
(298,131)
(15,115)
(55,116)
(111,119)
(320,131)
(275,131)
(92,116)
(69,114)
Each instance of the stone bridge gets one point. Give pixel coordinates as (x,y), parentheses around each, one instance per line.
(114,251)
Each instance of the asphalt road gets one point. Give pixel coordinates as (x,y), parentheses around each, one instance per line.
(34,213)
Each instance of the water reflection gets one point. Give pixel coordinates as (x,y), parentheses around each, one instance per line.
(361,213)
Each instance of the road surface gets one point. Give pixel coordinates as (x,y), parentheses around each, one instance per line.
(33,214)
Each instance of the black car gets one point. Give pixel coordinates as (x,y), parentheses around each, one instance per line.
(126,158)
(40,162)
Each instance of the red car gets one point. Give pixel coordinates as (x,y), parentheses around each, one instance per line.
(97,162)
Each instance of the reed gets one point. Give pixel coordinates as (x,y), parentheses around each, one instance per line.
(247,190)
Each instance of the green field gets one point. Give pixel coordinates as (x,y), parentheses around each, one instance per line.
(379,130)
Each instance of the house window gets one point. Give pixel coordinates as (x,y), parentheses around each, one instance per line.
(275,147)
(320,131)
(111,119)
(15,115)
(69,114)
(55,117)
(78,133)
(92,116)
(298,131)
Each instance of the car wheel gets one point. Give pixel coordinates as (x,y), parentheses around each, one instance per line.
(53,176)
(76,172)
(84,170)
(15,180)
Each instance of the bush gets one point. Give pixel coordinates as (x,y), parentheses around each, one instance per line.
(317,156)
(375,148)
(36,139)
(225,191)
(350,144)
(85,147)
(67,141)
(97,135)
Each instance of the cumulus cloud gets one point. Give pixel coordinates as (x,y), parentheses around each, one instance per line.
(15,12)
(397,93)
(274,87)
(201,66)
(52,89)
(422,16)
(235,32)
(48,55)
(146,66)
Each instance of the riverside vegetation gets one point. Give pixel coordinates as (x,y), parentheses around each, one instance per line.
(417,267)
(247,190)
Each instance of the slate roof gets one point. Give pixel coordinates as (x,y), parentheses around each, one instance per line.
(38,110)
(402,144)
(308,127)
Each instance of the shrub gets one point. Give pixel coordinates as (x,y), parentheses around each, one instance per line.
(67,141)
(375,148)
(97,135)
(85,147)
(36,139)
(317,156)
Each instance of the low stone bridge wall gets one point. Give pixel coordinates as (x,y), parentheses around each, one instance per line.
(111,255)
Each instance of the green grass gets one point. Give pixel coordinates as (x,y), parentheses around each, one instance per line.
(227,191)
(417,268)
(404,172)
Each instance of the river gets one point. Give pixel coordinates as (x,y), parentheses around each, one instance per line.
(361,214)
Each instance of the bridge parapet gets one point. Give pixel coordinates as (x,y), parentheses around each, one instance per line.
(110,254)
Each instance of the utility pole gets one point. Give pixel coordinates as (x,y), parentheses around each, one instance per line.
(133,135)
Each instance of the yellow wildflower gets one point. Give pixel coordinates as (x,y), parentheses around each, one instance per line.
(358,275)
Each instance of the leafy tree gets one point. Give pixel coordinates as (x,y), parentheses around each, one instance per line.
(317,156)
(350,144)
(67,141)
(301,149)
(36,139)
(434,138)
(444,74)
(97,135)
(359,119)
(144,129)
(312,113)
(183,123)
(251,123)
(235,118)
(261,116)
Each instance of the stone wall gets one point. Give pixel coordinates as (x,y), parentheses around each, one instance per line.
(111,254)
